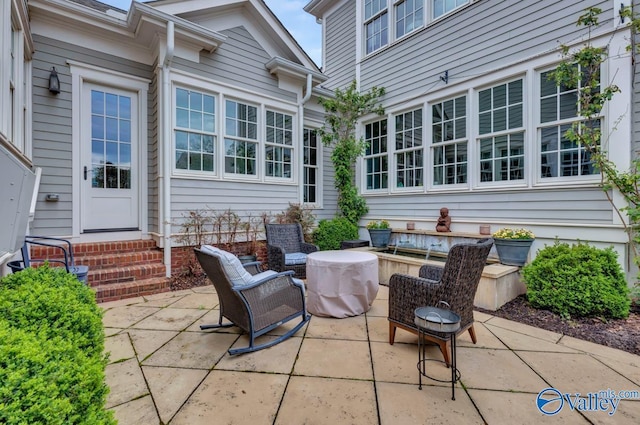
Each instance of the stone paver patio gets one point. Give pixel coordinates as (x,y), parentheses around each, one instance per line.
(164,370)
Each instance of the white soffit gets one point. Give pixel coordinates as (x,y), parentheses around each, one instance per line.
(135,38)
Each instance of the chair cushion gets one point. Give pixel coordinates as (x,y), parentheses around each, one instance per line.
(232,266)
(295,258)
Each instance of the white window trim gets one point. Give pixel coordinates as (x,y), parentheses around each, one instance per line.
(537,125)
(616,121)
(457,187)
(526,99)
(319,166)
(389,160)
(216,134)
(222,92)
(293,147)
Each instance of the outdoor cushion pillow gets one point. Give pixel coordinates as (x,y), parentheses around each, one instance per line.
(295,258)
(232,266)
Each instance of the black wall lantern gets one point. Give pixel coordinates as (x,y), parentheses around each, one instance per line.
(54,82)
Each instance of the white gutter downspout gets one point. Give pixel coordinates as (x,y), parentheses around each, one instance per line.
(304,100)
(166,145)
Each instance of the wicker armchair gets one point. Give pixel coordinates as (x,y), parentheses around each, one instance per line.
(456,284)
(256,302)
(286,248)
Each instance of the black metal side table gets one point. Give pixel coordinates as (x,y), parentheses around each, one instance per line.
(436,319)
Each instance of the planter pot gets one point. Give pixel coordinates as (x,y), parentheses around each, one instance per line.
(513,252)
(247,258)
(380,237)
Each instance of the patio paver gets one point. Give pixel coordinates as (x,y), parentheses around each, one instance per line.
(164,369)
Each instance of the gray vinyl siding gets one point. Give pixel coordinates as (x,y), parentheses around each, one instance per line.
(240,61)
(340,40)
(242,198)
(577,206)
(52,132)
(475,40)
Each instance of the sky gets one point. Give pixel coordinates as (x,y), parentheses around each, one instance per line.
(301,25)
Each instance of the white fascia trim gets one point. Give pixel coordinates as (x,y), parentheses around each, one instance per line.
(141,21)
(280,66)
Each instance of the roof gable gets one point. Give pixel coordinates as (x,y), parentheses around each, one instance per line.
(253,15)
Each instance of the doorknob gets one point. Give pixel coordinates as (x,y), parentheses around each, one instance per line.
(85,172)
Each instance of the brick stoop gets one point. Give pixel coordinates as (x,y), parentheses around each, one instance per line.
(118,270)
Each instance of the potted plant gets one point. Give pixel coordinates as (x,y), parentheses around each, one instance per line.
(513,245)
(379,232)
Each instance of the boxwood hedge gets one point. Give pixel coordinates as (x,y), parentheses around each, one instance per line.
(51,350)
(578,280)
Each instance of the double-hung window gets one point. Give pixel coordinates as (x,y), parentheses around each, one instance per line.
(241,138)
(311,166)
(409,149)
(195,137)
(409,16)
(376,24)
(449,136)
(278,145)
(501,130)
(442,7)
(559,156)
(376,157)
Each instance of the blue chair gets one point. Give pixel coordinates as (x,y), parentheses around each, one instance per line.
(66,252)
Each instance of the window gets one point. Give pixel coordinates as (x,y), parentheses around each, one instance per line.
(376,158)
(278,146)
(409,16)
(441,7)
(449,135)
(559,156)
(500,121)
(409,152)
(241,138)
(195,138)
(311,166)
(376,24)
(110,140)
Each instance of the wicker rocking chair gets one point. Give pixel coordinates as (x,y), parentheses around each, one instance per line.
(455,284)
(256,302)
(286,248)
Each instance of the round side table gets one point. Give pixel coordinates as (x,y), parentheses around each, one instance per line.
(436,319)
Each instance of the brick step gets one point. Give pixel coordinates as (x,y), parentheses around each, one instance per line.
(125,274)
(105,261)
(95,248)
(122,290)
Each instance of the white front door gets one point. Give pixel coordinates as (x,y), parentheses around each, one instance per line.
(109,152)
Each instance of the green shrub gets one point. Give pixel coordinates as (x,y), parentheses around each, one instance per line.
(330,233)
(55,303)
(51,351)
(577,280)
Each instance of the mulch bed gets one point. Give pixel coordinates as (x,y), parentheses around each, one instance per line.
(623,334)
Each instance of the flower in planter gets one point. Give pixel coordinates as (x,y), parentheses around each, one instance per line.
(507,233)
(381,224)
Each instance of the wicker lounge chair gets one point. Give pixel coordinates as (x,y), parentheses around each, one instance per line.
(286,248)
(455,284)
(255,301)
